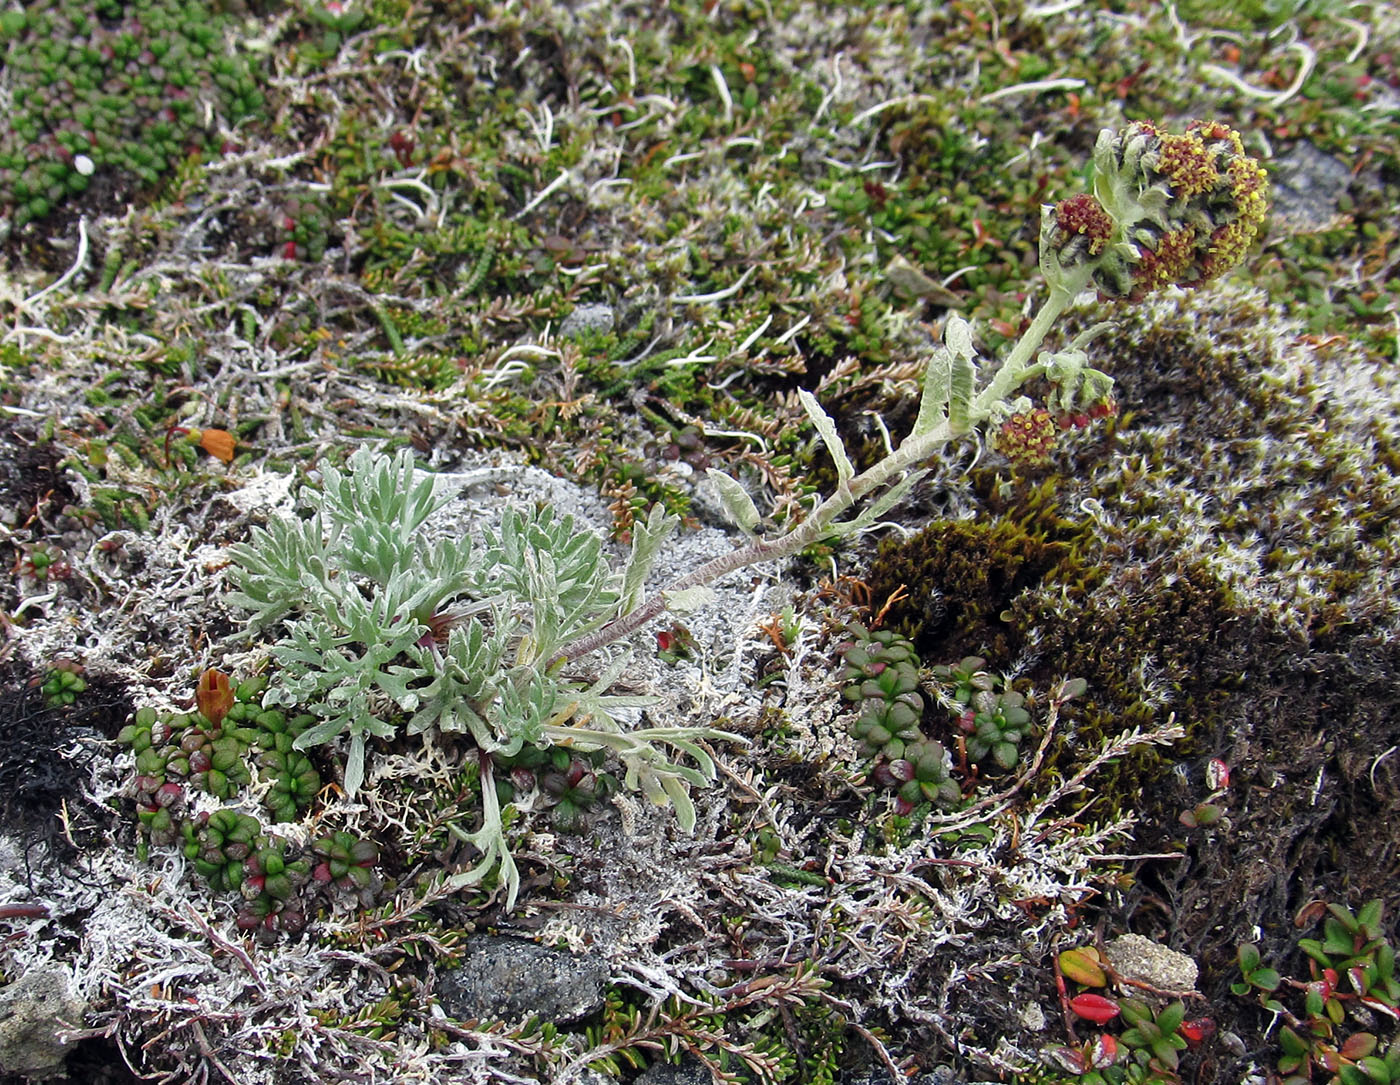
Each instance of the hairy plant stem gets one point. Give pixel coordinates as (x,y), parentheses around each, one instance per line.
(1013,371)
(823,517)
(822,520)
(811,530)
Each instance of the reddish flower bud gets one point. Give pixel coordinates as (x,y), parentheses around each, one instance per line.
(1083,228)
(1027,438)
(214,696)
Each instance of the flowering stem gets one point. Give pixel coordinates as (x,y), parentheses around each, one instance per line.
(1014,370)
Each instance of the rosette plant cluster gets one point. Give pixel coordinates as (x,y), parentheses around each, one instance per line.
(992,719)
(882,676)
(228,743)
(564,782)
(215,749)
(280,883)
(131,87)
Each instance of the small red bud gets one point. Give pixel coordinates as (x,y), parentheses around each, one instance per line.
(665,642)
(168,795)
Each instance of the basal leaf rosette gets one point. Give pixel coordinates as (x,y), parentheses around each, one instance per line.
(1166,209)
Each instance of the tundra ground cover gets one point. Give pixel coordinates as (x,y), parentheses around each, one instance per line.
(750,200)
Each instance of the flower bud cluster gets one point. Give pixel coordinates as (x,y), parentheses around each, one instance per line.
(1027,437)
(1167,209)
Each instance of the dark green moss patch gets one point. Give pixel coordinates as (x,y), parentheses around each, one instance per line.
(960,577)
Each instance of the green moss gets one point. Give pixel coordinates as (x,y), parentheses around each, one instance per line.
(959,577)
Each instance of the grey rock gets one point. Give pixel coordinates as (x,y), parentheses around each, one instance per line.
(1303,187)
(689,1071)
(587,318)
(879,1075)
(1141,959)
(511,979)
(33,1011)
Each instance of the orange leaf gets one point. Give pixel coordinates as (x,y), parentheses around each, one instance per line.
(1082,966)
(214,696)
(218,443)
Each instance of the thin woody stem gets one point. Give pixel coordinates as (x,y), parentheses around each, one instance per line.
(819,524)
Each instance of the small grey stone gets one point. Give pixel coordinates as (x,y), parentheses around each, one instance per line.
(1137,958)
(33,1010)
(1303,187)
(689,1071)
(877,1074)
(512,979)
(587,318)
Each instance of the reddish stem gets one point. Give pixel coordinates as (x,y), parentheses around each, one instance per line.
(23,911)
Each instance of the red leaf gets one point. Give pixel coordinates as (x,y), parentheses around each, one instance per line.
(1103,1053)
(1197,1031)
(1094,1008)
